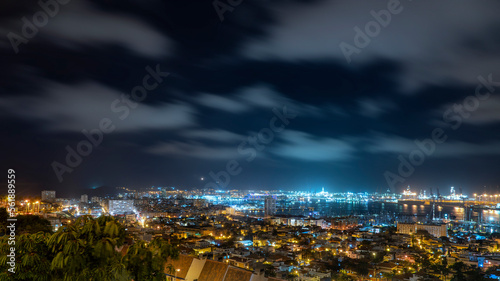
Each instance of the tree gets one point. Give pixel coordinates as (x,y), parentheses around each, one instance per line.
(443,268)
(145,261)
(33,258)
(462,273)
(361,268)
(365,244)
(32,224)
(334,266)
(269,270)
(444,239)
(4,215)
(475,274)
(342,277)
(378,257)
(85,250)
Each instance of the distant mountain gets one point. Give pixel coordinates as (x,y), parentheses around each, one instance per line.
(102,191)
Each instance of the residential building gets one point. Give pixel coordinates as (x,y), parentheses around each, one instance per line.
(436,230)
(48,195)
(269,206)
(117,207)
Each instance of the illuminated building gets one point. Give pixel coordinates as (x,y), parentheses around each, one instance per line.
(121,206)
(48,195)
(436,230)
(269,206)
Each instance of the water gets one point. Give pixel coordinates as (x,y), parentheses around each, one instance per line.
(399,211)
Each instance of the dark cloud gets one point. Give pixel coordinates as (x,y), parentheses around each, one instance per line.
(222,103)
(304,146)
(374,108)
(80,24)
(83,106)
(448,149)
(227,77)
(435,42)
(486,112)
(194,150)
(214,135)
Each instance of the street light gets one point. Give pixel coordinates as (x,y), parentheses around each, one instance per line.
(175,276)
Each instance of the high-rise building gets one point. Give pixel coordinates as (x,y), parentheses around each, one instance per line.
(48,195)
(436,230)
(118,207)
(269,206)
(84,198)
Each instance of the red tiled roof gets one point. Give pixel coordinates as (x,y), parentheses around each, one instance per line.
(183,263)
(235,274)
(213,271)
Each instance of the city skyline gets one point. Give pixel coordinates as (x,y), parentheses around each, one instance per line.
(233,140)
(289,95)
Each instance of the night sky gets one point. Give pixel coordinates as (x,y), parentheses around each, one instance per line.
(351,89)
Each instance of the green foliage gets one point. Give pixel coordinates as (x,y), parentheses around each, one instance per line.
(378,257)
(462,272)
(269,270)
(423,233)
(361,268)
(84,250)
(146,261)
(342,277)
(32,257)
(4,215)
(32,224)
(25,223)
